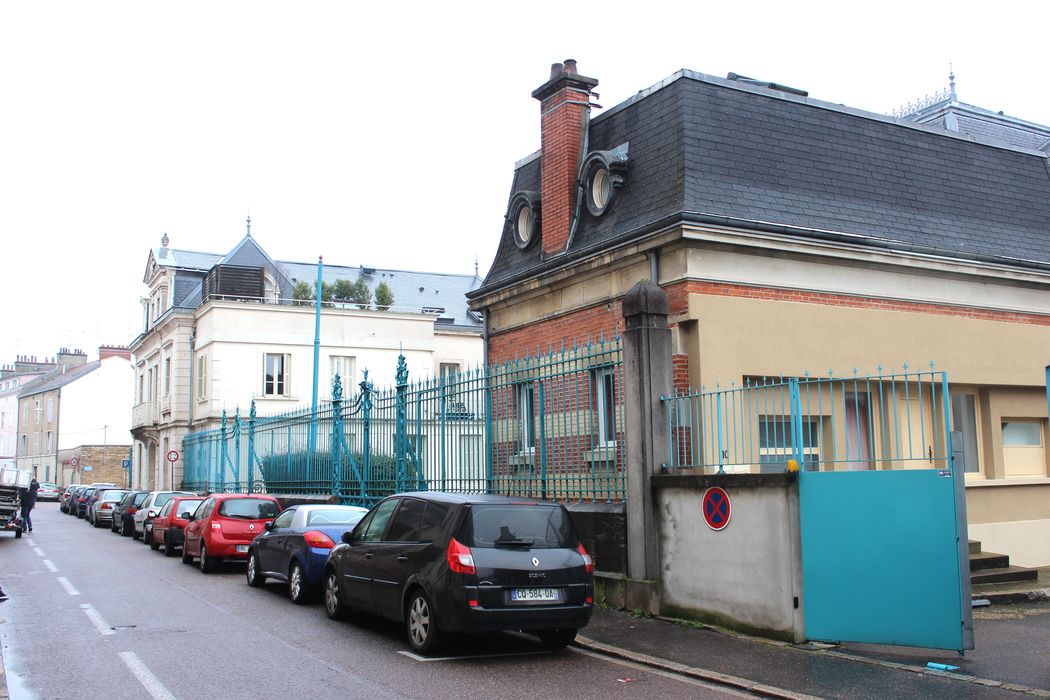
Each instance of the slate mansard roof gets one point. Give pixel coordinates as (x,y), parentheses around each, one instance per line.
(717,151)
(442,295)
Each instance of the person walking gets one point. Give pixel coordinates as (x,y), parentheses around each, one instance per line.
(28,501)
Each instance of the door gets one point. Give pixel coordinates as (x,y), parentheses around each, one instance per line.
(392,556)
(271,548)
(359,558)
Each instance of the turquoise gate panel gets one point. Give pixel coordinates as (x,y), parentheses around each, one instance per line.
(880,558)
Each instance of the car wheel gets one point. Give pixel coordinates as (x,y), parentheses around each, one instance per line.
(147,535)
(298,588)
(113,525)
(18,532)
(134,533)
(557,639)
(153,543)
(208,562)
(98,523)
(255,579)
(333,596)
(421,625)
(125,529)
(169,548)
(187,558)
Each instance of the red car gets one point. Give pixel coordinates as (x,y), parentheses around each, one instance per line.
(169,525)
(224,525)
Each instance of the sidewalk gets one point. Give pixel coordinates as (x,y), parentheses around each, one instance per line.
(1010,661)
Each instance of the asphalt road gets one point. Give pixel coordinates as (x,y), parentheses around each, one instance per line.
(95,615)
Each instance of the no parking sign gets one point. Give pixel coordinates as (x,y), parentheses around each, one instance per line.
(717,508)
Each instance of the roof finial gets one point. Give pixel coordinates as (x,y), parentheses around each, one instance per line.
(475,265)
(164,241)
(249,222)
(951,81)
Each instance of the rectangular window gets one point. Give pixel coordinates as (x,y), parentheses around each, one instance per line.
(1023,453)
(39,413)
(25,444)
(167,376)
(202,377)
(25,413)
(346,367)
(776,443)
(50,447)
(50,409)
(604,383)
(448,368)
(964,420)
(275,374)
(36,443)
(527,416)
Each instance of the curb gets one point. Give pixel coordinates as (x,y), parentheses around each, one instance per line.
(766,691)
(1037,595)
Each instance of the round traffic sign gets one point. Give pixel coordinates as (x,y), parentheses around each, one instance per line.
(74,462)
(173,455)
(717,508)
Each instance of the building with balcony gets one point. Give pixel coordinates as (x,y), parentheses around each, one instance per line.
(222,331)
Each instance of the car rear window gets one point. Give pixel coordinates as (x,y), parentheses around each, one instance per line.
(188,505)
(249,508)
(140,497)
(534,526)
(335,516)
(112,495)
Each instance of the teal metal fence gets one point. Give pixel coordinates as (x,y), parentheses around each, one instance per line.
(878,421)
(550,426)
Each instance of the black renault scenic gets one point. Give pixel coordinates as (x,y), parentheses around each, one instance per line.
(451,563)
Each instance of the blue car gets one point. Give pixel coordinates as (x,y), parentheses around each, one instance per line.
(295,546)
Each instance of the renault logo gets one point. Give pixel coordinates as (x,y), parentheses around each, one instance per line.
(251,526)
(535,561)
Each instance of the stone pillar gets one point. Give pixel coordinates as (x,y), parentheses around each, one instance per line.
(647,377)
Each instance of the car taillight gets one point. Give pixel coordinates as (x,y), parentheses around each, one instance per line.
(588,563)
(132,510)
(215,525)
(460,560)
(151,513)
(316,538)
(106,506)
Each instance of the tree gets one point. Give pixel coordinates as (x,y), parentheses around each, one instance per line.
(302,292)
(343,289)
(327,291)
(361,294)
(384,297)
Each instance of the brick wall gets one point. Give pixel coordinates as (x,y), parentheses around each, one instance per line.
(574,328)
(104,462)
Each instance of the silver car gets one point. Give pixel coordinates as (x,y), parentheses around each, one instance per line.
(100,512)
(148,511)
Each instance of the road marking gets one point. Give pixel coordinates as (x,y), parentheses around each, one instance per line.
(469,657)
(150,682)
(30,542)
(67,585)
(50,567)
(39,552)
(93,615)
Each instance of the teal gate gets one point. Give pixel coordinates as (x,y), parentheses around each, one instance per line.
(881,496)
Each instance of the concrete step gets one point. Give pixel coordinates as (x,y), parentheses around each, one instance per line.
(1007,574)
(988,560)
(975,546)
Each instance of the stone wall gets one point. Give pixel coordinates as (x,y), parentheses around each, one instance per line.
(104,463)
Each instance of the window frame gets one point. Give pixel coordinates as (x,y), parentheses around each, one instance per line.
(280,385)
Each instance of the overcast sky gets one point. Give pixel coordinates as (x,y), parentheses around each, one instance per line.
(383,135)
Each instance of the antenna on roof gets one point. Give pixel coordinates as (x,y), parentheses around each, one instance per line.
(249,222)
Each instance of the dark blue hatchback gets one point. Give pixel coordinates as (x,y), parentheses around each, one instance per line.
(296,544)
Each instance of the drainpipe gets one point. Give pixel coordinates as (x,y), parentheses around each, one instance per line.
(654,266)
(580,194)
(317,357)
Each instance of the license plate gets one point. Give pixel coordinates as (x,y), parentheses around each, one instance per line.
(523,594)
(242,548)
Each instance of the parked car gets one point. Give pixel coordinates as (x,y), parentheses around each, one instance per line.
(125,511)
(64,499)
(48,491)
(295,546)
(100,510)
(86,496)
(143,518)
(168,526)
(451,563)
(89,507)
(224,525)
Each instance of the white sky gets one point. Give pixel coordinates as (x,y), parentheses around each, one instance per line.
(385,134)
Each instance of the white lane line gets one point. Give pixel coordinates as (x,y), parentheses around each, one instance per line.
(67,585)
(30,542)
(50,567)
(150,682)
(100,624)
(39,552)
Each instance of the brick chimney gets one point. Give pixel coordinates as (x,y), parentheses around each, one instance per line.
(68,359)
(564,118)
(105,351)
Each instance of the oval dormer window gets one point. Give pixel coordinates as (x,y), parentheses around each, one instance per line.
(524,217)
(601,189)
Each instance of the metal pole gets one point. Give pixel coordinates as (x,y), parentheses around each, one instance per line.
(317,354)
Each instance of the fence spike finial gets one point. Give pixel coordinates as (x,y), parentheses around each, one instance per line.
(854,372)
(905,367)
(878,368)
(932,364)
